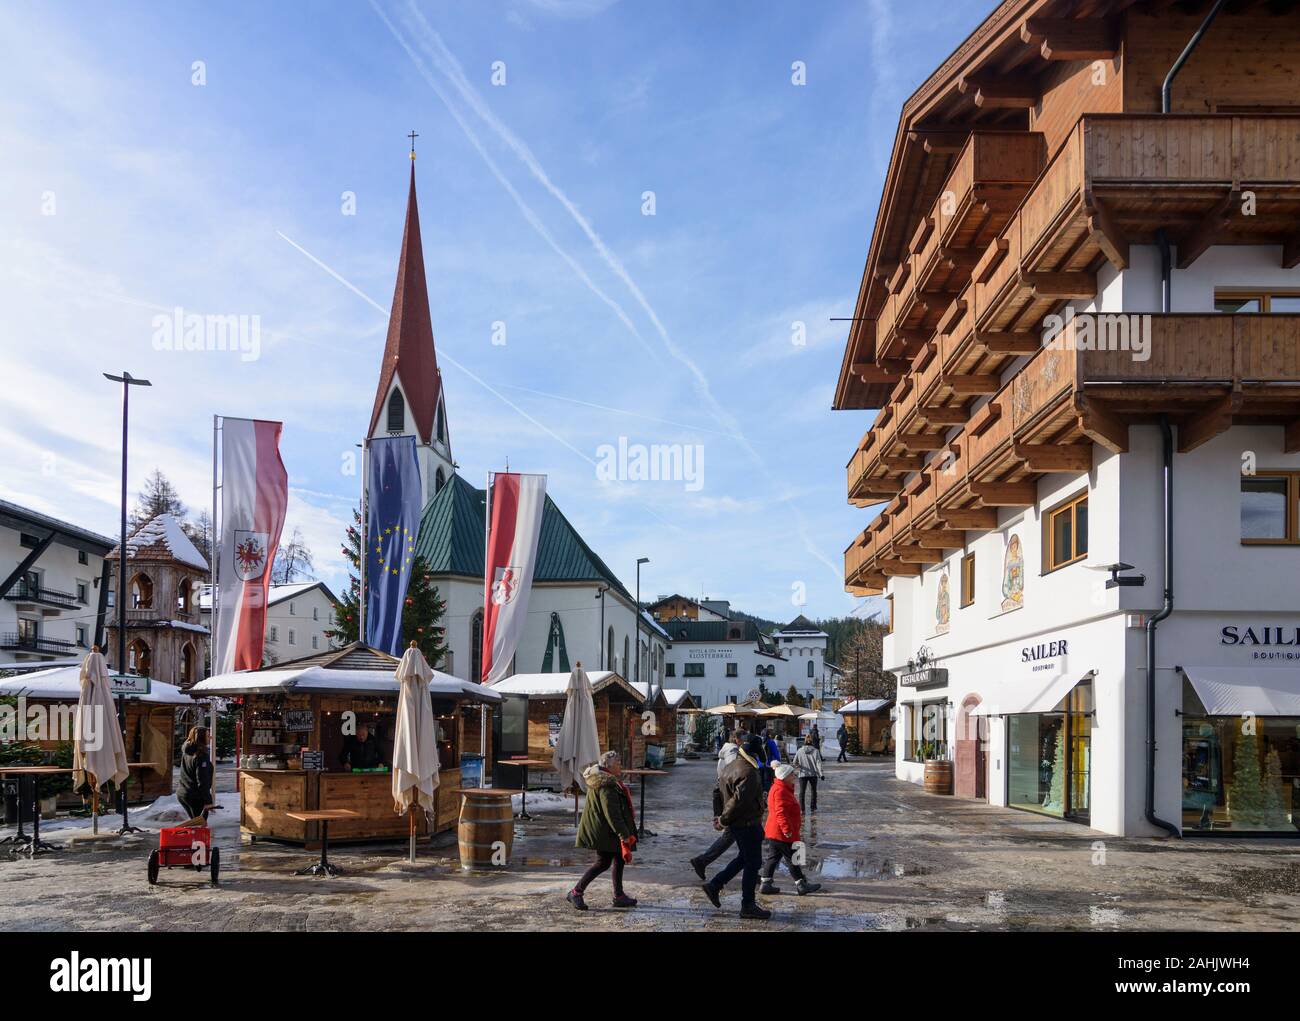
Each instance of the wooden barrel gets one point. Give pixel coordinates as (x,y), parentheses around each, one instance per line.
(938,776)
(486,831)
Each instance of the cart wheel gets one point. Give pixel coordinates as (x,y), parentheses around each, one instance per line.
(215,867)
(153,867)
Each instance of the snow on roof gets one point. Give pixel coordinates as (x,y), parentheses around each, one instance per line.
(547,685)
(864,705)
(675,696)
(163,536)
(316,679)
(64,685)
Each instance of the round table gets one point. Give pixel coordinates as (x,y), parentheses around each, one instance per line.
(525,765)
(642,830)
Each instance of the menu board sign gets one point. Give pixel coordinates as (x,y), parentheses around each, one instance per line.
(313,761)
(298,719)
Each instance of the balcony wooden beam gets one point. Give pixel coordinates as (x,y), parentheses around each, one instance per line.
(1197,241)
(902,463)
(1062,286)
(1209,422)
(968,385)
(1008,343)
(1002,93)
(1291,437)
(940,538)
(918,555)
(1005,494)
(971,519)
(1048,457)
(1070,38)
(944,416)
(900,570)
(917,442)
(1106,233)
(1101,426)
(869,372)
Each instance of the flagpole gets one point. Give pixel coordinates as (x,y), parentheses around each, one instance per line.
(212,581)
(362,545)
(487,589)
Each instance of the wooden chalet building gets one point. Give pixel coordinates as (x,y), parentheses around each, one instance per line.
(1079,332)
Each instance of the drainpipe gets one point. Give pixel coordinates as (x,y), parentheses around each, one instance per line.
(1167,451)
(1166,102)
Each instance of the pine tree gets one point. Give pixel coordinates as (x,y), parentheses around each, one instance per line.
(792,697)
(158,496)
(1274,807)
(1056,790)
(1247,786)
(420,616)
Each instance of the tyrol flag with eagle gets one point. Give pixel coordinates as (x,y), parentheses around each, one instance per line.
(254,497)
(393,504)
(515,510)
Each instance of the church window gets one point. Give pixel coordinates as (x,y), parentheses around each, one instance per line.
(609,649)
(442,423)
(810,668)
(439,480)
(627,653)
(396,412)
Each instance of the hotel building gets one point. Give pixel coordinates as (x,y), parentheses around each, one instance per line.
(1079,330)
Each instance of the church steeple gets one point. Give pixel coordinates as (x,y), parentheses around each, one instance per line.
(410,365)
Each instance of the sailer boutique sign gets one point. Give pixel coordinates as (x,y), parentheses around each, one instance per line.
(1045,657)
(1267,642)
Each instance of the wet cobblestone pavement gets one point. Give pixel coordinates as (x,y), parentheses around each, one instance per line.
(890,858)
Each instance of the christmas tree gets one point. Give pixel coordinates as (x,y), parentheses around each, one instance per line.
(1247,786)
(1275,815)
(1056,790)
(420,616)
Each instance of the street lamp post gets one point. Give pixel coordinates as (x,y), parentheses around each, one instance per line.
(600,642)
(127,381)
(639,562)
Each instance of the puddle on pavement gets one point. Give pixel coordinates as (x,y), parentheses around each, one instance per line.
(837,867)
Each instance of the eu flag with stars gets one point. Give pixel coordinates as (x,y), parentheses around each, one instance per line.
(393,519)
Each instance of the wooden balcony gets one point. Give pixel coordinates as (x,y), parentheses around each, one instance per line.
(1103,374)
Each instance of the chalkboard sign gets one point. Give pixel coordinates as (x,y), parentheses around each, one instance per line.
(313,761)
(297,719)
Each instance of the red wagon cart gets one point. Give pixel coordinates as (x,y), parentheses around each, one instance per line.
(187,847)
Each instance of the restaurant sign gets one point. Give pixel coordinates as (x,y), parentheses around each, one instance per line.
(128,684)
(922,673)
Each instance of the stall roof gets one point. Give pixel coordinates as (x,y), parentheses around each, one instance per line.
(64,684)
(555,685)
(1236,691)
(865,705)
(355,669)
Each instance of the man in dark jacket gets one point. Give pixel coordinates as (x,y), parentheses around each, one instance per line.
(742,813)
(842,736)
(361,751)
(194,791)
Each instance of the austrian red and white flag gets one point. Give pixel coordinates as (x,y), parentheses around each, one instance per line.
(515,503)
(254,496)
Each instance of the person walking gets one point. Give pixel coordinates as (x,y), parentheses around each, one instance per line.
(816,737)
(194,791)
(781,834)
(742,813)
(808,767)
(726,754)
(608,827)
(842,736)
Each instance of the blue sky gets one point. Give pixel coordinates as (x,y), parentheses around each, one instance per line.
(126,191)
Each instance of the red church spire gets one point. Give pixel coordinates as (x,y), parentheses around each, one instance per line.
(409,351)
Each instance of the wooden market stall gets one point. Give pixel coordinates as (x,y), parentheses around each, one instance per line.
(300,715)
(871,719)
(618,711)
(151,721)
(669,706)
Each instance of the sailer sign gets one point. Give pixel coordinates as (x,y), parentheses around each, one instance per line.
(1045,657)
(1287,639)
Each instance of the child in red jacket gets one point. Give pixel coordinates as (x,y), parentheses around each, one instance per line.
(782,833)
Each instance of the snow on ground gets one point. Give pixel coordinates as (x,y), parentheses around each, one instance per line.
(166,811)
(543,801)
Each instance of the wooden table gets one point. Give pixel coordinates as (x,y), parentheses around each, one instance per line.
(32,844)
(525,764)
(642,829)
(322,816)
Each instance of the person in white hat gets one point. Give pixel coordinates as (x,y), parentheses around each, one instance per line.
(781,835)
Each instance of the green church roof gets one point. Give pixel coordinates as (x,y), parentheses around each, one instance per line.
(451,540)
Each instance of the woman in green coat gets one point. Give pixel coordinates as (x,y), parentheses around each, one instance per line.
(608,827)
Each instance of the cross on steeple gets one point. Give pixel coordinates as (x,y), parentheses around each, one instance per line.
(412,136)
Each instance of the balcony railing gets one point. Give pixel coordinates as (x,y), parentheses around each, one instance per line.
(13,641)
(23,592)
